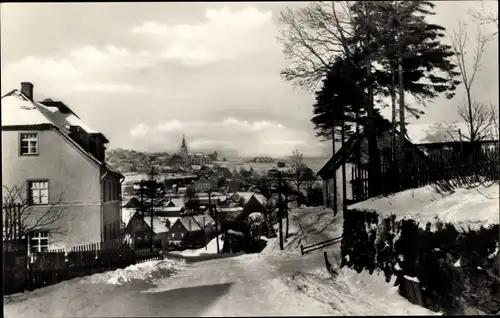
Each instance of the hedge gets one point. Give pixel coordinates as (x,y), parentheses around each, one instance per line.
(454,269)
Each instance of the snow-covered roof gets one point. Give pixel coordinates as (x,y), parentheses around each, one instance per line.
(247,195)
(158,225)
(190,223)
(230,209)
(17,109)
(200,218)
(178,202)
(464,207)
(127,214)
(172,208)
(437,132)
(170,219)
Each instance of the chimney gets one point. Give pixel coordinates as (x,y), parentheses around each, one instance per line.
(27,90)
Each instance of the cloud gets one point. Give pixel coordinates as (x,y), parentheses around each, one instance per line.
(249,138)
(225,34)
(108,88)
(140,130)
(45,67)
(109,58)
(86,68)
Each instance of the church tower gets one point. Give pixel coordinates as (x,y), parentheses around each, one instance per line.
(184,149)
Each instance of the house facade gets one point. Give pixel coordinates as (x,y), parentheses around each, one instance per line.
(356,171)
(58,163)
(139,227)
(202,185)
(186,232)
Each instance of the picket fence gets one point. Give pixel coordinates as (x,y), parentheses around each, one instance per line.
(25,273)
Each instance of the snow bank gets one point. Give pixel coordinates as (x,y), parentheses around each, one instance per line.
(373,289)
(211,248)
(145,272)
(465,208)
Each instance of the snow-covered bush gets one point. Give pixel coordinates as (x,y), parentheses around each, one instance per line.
(454,268)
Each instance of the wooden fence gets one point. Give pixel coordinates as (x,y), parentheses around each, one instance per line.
(313,247)
(23,272)
(402,176)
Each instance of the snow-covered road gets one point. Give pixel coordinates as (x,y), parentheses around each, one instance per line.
(270,283)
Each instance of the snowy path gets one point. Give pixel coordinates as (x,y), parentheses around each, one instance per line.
(271,283)
(247,285)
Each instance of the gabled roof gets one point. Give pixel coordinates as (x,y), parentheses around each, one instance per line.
(203,180)
(204,218)
(189,223)
(177,202)
(342,154)
(18,110)
(247,195)
(173,209)
(158,225)
(350,145)
(132,203)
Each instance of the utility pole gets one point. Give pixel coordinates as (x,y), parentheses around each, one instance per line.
(285,208)
(152,190)
(151,209)
(141,192)
(280,211)
(205,233)
(215,216)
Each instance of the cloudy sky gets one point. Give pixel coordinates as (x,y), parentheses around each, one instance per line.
(145,73)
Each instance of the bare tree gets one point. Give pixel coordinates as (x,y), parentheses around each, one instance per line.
(20,216)
(482,119)
(297,167)
(459,42)
(486,17)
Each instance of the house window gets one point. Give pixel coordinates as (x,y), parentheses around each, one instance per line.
(29,143)
(39,241)
(173,234)
(38,192)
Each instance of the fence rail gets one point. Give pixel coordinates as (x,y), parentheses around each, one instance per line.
(28,272)
(304,249)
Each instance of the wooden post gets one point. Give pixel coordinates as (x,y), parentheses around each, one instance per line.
(280,211)
(205,233)
(301,250)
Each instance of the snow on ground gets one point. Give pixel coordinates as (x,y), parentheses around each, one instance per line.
(465,208)
(145,272)
(270,283)
(211,248)
(308,226)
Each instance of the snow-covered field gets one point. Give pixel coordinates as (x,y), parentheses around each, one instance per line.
(465,208)
(270,283)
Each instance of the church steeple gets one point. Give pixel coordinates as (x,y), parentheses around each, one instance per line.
(184,149)
(183,141)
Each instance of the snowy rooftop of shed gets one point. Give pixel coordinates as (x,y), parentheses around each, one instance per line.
(465,208)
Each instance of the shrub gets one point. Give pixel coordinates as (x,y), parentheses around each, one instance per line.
(405,248)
